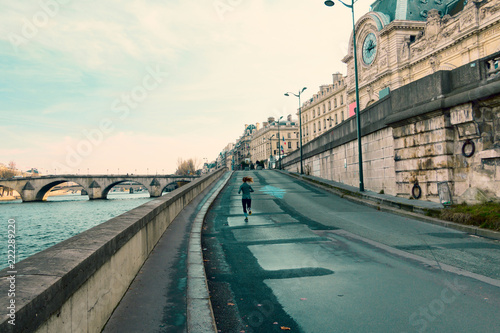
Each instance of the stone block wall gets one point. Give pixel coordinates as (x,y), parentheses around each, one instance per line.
(479,123)
(408,141)
(75,285)
(423,151)
(341,163)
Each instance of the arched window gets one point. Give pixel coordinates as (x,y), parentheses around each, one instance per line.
(335,102)
(319,126)
(324,123)
(314,127)
(329,105)
(341,99)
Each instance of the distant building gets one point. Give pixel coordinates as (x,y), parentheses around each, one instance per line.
(327,108)
(265,143)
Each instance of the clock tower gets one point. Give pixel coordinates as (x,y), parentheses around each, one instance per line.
(400,41)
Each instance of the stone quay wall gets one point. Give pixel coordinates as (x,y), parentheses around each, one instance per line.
(74,286)
(420,134)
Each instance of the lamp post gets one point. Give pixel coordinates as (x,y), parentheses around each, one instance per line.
(279,143)
(330,3)
(300,126)
(270,150)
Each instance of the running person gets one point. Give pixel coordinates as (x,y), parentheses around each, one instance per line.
(246,200)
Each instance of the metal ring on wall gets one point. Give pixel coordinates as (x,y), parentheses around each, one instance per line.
(472,149)
(416,191)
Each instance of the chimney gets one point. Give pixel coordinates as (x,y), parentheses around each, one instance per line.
(289,117)
(270,119)
(336,77)
(257,126)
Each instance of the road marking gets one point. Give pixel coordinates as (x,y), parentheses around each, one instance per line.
(274,191)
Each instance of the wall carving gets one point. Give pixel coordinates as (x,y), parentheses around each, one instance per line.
(489,10)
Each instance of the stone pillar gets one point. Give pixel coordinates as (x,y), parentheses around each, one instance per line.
(28,193)
(94,191)
(155,190)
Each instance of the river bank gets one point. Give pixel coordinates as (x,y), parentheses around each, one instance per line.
(51,194)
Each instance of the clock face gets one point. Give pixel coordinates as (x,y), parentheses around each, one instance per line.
(369,48)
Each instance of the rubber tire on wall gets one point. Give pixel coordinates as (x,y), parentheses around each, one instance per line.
(416,188)
(466,143)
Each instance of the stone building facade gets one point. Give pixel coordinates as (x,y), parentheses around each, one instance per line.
(397,46)
(325,109)
(265,143)
(430,101)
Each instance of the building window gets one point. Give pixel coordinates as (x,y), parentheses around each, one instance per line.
(314,127)
(314,113)
(289,135)
(336,122)
(324,123)
(342,115)
(341,99)
(319,126)
(289,144)
(297,144)
(329,105)
(278,144)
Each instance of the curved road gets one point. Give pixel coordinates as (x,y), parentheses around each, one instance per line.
(309,261)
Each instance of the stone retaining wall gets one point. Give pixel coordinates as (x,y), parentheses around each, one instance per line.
(76,284)
(416,136)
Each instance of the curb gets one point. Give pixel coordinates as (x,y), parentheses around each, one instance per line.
(200,317)
(397,208)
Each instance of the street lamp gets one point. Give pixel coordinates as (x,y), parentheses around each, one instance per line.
(270,150)
(300,126)
(279,143)
(330,3)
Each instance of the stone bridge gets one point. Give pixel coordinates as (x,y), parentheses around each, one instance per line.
(97,186)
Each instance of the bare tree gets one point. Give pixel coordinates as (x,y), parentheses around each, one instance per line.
(10,171)
(187,167)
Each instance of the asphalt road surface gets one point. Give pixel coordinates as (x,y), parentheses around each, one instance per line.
(310,261)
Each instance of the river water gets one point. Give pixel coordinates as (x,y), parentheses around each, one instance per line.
(39,225)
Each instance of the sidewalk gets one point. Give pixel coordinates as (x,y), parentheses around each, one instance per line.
(418,209)
(169,293)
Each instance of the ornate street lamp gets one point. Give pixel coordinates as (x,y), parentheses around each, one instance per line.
(300,125)
(330,3)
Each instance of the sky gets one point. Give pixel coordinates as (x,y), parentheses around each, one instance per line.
(133,86)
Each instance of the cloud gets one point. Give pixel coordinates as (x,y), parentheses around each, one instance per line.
(222,73)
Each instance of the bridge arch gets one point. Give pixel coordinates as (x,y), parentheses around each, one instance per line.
(9,189)
(108,188)
(43,192)
(176,183)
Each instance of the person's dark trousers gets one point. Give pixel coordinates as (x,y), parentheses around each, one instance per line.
(247,204)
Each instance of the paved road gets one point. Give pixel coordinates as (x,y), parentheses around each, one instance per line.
(309,261)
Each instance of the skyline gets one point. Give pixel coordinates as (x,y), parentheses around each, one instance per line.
(93,86)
